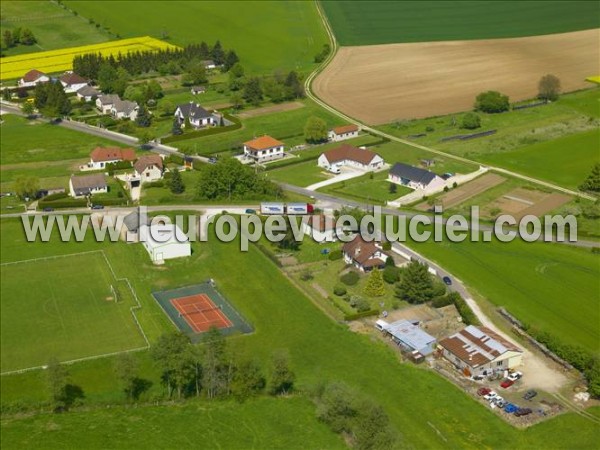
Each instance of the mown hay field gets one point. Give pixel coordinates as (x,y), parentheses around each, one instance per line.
(61,60)
(384,83)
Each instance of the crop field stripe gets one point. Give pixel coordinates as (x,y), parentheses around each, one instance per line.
(132,309)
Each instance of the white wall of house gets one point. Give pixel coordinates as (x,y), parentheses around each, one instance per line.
(508,360)
(266,154)
(103,107)
(151,173)
(437,182)
(121,115)
(73,87)
(376,163)
(342,137)
(42,79)
(172,248)
(101,190)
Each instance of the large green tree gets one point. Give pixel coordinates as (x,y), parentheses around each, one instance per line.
(176,183)
(253,92)
(217,369)
(549,87)
(248,380)
(416,285)
(492,102)
(282,377)
(315,130)
(173,354)
(375,286)
(27,186)
(592,182)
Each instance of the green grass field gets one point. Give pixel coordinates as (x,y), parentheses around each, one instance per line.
(374,190)
(384,22)
(265,35)
(63,308)
(566,161)
(320,350)
(303,174)
(53,26)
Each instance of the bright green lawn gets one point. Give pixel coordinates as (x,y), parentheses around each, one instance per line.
(303,174)
(54,27)
(382,22)
(566,161)
(320,350)
(265,35)
(367,189)
(61,308)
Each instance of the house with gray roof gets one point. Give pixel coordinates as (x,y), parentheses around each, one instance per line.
(88,93)
(124,109)
(105,102)
(409,336)
(196,115)
(81,186)
(414,177)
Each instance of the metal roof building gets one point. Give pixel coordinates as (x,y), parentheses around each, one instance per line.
(410,336)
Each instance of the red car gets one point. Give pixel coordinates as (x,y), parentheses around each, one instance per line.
(507,383)
(483,391)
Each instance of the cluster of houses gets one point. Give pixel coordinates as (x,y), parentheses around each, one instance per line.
(146,168)
(475,351)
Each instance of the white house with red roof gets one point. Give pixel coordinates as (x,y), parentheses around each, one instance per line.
(148,168)
(100,157)
(344,132)
(363,255)
(347,155)
(264,148)
(72,82)
(33,78)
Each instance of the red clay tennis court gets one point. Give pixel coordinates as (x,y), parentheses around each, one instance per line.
(200,312)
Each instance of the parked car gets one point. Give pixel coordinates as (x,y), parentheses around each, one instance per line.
(497,399)
(529,394)
(97,206)
(483,391)
(490,396)
(523,412)
(515,376)
(507,383)
(212,160)
(447,281)
(48,209)
(250,211)
(501,403)
(511,408)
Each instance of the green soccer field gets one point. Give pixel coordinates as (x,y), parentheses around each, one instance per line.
(63,308)
(385,22)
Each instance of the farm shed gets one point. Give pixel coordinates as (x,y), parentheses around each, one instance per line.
(408,336)
(342,133)
(163,242)
(480,351)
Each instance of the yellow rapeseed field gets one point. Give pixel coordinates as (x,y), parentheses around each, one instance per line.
(595,79)
(61,60)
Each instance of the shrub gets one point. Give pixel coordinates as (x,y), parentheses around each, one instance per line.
(306,275)
(370,312)
(358,302)
(440,302)
(57,196)
(470,121)
(492,102)
(350,278)
(335,255)
(155,184)
(339,290)
(429,129)
(391,274)
(387,246)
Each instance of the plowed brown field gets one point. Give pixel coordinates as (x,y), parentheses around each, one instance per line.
(382,83)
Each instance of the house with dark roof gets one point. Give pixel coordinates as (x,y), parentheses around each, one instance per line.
(264,148)
(88,93)
(100,157)
(105,102)
(480,351)
(124,109)
(209,64)
(321,228)
(72,82)
(363,255)
(132,223)
(196,115)
(347,155)
(81,186)
(344,132)
(149,168)
(33,78)
(195,90)
(414,177)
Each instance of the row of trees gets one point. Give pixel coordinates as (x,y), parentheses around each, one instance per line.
(23,36)
(254,90)
(229,179)
(51,100)
(592,182)
(165,60)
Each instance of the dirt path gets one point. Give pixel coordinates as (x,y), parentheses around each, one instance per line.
(538,372)
(382,83)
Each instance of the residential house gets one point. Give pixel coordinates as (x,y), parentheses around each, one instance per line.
(363,255)
(321,228)
(100,157)
(124,109)
(72,82)
(148,168)
(264,148)
(88,93)
(414,177)
(347,155)
(81,186)
(198,90)
(33,78)
(105,102)
(409,337)
(209,64)
(166,241)
(480,351)
(344,132)
(195,114)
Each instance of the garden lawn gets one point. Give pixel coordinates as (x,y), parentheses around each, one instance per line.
(365,188)
(303,174)
(320,350)
(63,308)
(53,26)
(265,35)
(566,161)
(383,22)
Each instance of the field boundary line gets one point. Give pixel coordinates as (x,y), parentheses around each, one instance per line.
(132,309)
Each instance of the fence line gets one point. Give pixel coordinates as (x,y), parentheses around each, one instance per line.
(51,257)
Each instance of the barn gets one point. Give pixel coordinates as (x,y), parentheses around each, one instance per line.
(166,241)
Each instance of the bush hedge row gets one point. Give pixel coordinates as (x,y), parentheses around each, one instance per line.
(65,203)
(359,315)
(206,132)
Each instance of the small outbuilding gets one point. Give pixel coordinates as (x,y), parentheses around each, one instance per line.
(409,337)
(166,241)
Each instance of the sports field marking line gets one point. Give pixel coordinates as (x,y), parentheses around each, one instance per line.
(132,309)
(193,323)
(50,257)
